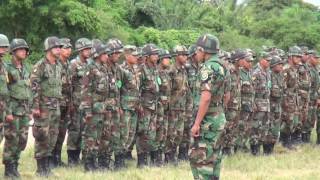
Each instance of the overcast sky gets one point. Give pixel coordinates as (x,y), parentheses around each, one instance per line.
(315,2)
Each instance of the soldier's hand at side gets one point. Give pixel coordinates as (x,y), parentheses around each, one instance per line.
(318,102)
(195,130)
(9,118)
(120,111)
(88,117)
(36,112)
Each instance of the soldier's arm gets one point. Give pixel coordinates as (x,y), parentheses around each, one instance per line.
(35,80)
(86,92)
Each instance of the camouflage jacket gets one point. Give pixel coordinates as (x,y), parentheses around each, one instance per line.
(180,87)
(165,86)
(46,84)
(290,95)
(20,89)
(212,75)
(194,85)
(150,82)
(235,90)
(66,84)
(247,90)
(315,83)
(276,91)
(78,70)
(130,89)
(304,81)
(4,92)
(262,85)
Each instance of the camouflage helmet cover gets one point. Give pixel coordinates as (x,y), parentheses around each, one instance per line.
(4,41)
(209,43)
(51,42)
(18,44)
(179,50)
(150,49)
(83,43)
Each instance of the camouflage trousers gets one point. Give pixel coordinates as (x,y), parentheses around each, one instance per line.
(75,129)
(205,153)
(230,130)
(308,125)
(289,117)
(92,134)
(175,130)
(45,131)
(303,114)
(162,125)
(146,135)
(114,126)
(16,136)
(2,117)
(275,122)
(63,125)
(130,120)
(259,127)
(243,129)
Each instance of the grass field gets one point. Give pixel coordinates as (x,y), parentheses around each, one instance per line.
(303,163)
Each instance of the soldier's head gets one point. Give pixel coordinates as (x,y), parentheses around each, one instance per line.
(239,58)
(265,59)
(224,55)
(83,47)
(276,64)
(294,55)
(313,57)
(304,52)
(151,52)
(116,48)
(207,45)
(142,56)
(66,48)
(100,52)
(181,54)
(4,45)
(19,49)
(52,47)
(192,53)
(131,54)
(165,57)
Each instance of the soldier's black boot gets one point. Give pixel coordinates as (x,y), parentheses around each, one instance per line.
(254,149)
(52,162)
(267,149)
(15,169)
(167,158)
(183,153)
(226,151)
(153,158)
(90,163)
(142,160)
(123,160)
(118,162)
(287,142)
(296,137)
(306,137)
(9,170)
(128,155)
(73,157)
(173,159)
(41,167)
(159,158)
(104,161)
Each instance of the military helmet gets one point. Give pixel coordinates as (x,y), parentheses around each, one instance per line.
(192,50)
(314,53)
(150,49)
(4,41)
(164,54)
(224,55)
(115,45)
(209,43)
(51,42)
(304,49)
(295,51)
(266,55)
(275,60)
(133,50)
(99,49)
(18,44)
(65,43)
(238,54)
(83,43)
(179,50)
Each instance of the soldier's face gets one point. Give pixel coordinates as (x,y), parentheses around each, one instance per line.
(132,59)
(165,62)
(314,60)
(278,68)
(199,55)
(182,59)
(154,58)
(115,57)
(21,54)
(304,58)
(103,58)
(65,52)
(3,51)
(85,53)
(55,52)
(296,59)
(264,63)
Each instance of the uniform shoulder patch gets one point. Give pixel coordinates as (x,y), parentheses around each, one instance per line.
(205,72)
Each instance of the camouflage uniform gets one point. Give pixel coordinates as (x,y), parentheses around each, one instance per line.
(16,131)
(178,123)
(78,68)
(66,106)
(290,100)
(205,154)
(4,93)
(95,103)
(276,97)
(46,88)
(260,123)
(147,125)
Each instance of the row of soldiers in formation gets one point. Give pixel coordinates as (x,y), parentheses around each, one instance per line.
(149,101)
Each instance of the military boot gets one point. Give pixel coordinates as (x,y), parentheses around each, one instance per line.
(173,159)
(9,170)
(128,155)
(16,172)
(104,161)
(153,157)
(90,164)
(118,162)
(254,149)
(287,142)
(73,157)
(159,158)
(296,137)
(142,160)
(42,167)
(183,153)
(226,151)
(267,149)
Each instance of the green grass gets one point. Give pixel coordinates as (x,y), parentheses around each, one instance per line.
(302,163)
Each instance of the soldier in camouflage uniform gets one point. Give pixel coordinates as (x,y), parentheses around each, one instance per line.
(307,126)
(66,105)
(147,125)
(290,98)
(178,102)
(46,88)
(4,93)
(78,67)
(16,127)
(205,154)
(94,93)
(247,104)
(163,104)
(260,123)
(117,130)
(276,97)
(304,97)
(130,95)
